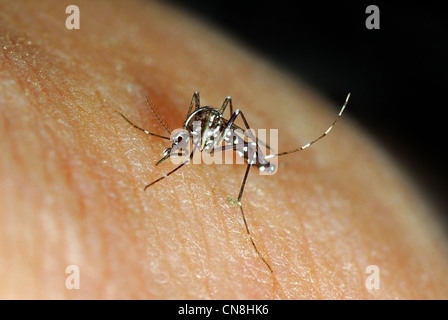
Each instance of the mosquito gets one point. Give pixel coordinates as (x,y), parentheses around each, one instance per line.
(213,131)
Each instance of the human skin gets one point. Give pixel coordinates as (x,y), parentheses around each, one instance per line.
(72,172)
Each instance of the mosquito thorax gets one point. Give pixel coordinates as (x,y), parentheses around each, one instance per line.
(207,123)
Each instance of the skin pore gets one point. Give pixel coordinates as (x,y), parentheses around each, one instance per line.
(72,172)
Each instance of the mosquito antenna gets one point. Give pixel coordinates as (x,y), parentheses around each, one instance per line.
(160,120)
(317,139)
(141,129)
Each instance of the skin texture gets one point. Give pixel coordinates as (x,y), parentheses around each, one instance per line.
(72,172)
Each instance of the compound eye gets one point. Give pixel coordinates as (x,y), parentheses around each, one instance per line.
(181,136)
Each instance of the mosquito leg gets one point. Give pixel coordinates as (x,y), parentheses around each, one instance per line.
(264,144)
(318,138)
(168,174)
(240,196)
(238,112)
(223,148)
(233,116)
(196,102)
(227,101)
(251,135)
(141,129)
(172,171)
(245,222)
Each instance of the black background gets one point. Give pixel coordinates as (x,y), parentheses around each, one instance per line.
(397,74)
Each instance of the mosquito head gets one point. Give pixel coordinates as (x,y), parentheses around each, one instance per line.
(180,140)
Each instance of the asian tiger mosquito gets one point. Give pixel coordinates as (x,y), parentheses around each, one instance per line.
(212,119)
